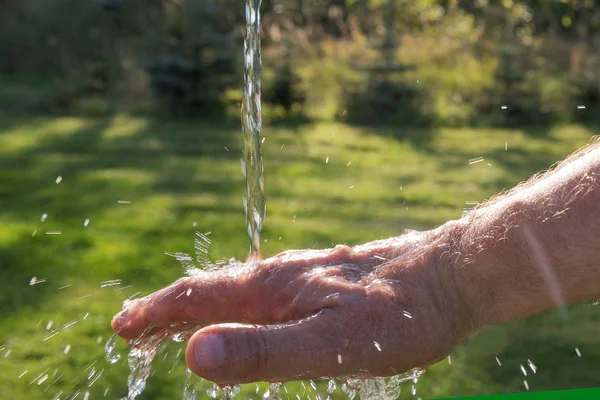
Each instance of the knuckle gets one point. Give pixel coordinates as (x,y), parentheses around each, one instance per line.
(261,344)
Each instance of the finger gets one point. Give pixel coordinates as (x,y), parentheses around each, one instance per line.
(256,293)
(238,295)
(235,353)
(206,299)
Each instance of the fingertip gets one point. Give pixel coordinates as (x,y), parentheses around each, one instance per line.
(206,354)
(119,321)
(127,324)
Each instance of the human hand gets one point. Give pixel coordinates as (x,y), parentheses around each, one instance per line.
(379,309)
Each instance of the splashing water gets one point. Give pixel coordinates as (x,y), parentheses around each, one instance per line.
(111,355)
(195,388)
(145,348)
(252,164)
(140,358)
(378,388)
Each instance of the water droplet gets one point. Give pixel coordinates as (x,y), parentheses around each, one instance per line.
(350,392)
(578,352)
(188,388)
(523,370)
(67,349)
(272,392)
(498,361)
(34,281)
(377,346)
(44,216)
(331,386)
(475,160)
(526,385)
(235,390)
(178,337)
(58,179)
(532,366)
(86,222)
(339,358)
(213,391)
(111,355)
(109,283)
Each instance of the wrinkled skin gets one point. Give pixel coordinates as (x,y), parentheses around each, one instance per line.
(379,309)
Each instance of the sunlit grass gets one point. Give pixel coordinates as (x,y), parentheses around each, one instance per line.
(326,183)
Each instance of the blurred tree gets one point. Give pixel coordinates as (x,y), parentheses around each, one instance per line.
(200,58)
(285,89)
(385,98)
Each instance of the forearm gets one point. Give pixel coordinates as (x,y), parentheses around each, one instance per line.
(536,247)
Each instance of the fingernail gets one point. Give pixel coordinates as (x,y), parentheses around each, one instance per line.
(209,352)
(119,320)
(122,318)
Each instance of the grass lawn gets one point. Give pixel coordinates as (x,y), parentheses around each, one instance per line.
(145,187)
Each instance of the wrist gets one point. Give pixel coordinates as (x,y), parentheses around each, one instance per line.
(491,264)
(448,261)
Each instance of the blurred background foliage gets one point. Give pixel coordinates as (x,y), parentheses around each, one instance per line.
(444,62)
(373,110)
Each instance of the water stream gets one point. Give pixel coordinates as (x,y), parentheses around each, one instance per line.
(252,164)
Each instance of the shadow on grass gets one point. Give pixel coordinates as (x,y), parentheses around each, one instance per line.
(420,136)
(85,158)
(29,274)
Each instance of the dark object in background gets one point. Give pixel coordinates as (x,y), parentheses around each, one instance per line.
(286,88)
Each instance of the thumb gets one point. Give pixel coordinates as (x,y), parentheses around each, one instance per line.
(235,353)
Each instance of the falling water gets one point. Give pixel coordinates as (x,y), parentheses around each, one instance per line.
(252,164)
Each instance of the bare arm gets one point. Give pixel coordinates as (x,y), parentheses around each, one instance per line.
(536,247)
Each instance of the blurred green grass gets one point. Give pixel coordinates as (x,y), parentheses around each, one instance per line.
(326,183)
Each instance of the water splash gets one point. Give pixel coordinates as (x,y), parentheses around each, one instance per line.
(140,358)
(139,366)
(109,347)
(252,164)
(272,393)
(331,386)
(379,388)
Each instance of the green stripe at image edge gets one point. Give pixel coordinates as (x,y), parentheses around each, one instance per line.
(551,395)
